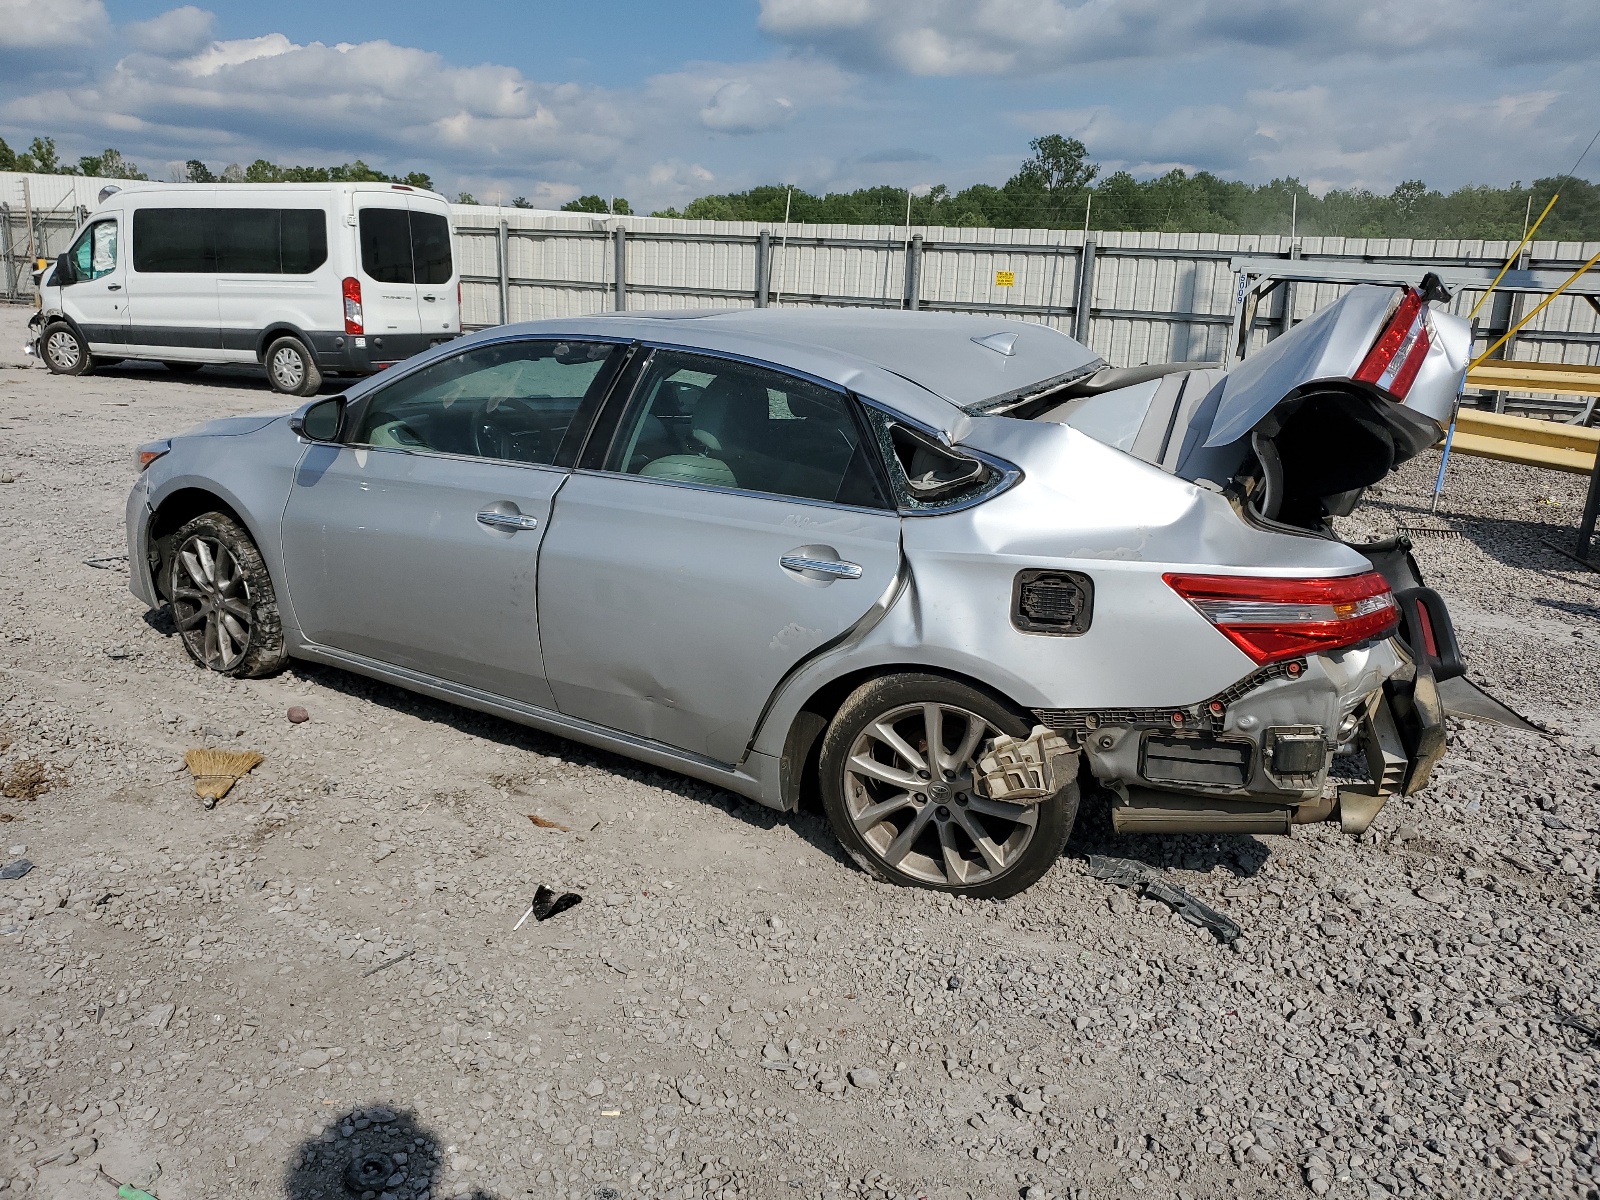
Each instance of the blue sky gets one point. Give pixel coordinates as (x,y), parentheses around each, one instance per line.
(661,102)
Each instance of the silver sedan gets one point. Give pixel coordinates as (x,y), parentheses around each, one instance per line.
(934,570)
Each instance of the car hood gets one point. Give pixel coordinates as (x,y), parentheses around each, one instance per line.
(233,426)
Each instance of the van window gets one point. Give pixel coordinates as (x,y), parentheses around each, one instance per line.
(171,240)
(430,247)
(256,241)
(95,252)
(398,246)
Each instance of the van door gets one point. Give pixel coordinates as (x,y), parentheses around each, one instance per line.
(438,306)
(174,286)
(389,293)
(97,297)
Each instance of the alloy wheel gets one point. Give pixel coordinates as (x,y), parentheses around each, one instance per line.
(211,602)
(909,790)
(63,350)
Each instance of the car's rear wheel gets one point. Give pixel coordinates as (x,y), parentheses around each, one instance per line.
(223,602)
(291,369)
(898,766)
(65,351)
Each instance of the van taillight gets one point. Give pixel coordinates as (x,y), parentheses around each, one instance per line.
(1396,357)
(352,307)
(1272,619)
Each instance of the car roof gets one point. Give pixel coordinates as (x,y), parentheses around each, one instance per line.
(874,352)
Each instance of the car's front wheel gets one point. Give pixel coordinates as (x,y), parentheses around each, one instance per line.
(899,767)
(223,602)
(65,352)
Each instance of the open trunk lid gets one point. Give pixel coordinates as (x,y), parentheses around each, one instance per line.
(1303,426)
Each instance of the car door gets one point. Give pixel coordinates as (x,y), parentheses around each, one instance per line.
(415,541)
(390,298)
(738,522)
(97,299)
(438,312)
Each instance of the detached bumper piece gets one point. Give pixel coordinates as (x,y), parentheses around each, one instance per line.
(1026,770)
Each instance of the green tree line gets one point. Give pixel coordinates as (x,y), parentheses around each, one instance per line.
(1058,187)
(42,157)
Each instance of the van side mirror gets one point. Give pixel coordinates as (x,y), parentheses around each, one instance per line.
(321,422)
(64,273)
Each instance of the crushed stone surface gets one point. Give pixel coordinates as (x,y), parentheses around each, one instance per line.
(317,985)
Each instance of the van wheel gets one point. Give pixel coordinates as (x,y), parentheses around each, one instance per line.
(65,352)
(223,602)
(291,369)
(182,368)
(898,766)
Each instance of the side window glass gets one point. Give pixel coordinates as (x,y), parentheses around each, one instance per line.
(512,401)
(173,241)
(430,247)
(698,419)
(386,244)
(95,252)
(247,240)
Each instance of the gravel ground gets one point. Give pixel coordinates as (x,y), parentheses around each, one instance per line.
(325,965)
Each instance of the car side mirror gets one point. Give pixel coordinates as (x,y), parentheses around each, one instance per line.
(321,422)
(64,273)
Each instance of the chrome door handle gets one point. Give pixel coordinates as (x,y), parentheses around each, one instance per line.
(512,521)
(821,566)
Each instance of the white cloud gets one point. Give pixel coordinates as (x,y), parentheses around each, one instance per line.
(176,31)
(33,25)
(749,98)
(997,37)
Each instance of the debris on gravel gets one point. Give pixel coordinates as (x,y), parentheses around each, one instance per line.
(319,980)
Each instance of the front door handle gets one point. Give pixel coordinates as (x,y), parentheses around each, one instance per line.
(113,287)
(821,566)
(514,522)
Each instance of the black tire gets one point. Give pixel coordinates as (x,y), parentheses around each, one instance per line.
(226,612)
(291,368)
(949,811)
(182,368)
(64,350)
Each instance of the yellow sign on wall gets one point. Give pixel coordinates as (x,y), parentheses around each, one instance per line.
(1005,279)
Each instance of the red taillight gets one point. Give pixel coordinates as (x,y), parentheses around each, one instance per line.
(1274,619)
(352,307)
(1396,357)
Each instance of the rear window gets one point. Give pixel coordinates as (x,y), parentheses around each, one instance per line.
(399,246)
(252,241)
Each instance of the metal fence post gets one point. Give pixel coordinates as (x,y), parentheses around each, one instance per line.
(620,239)
(1085,298)
(502,253)
(11,258)
(1286,317)
(1591,511)
(914,273)
(763,268)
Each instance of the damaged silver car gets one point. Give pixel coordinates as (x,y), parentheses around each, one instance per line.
(934,569)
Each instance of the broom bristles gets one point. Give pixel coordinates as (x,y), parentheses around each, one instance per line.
(216,771)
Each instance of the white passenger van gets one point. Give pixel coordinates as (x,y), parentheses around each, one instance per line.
(307,279)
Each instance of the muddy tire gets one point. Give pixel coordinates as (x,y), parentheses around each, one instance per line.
(64,350)
(222,599)
(292,368)
(912,817)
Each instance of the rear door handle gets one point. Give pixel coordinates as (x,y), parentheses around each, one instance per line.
(821,566)
(511,521)
(430,297)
